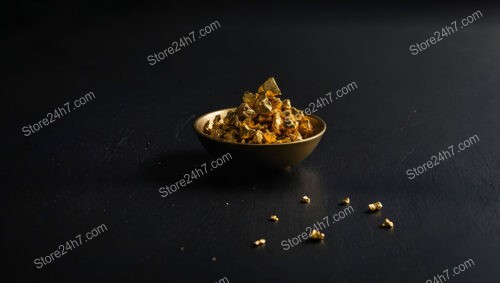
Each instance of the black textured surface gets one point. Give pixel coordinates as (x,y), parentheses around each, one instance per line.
(104,162)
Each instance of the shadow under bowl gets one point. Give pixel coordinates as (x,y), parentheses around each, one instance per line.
(275,156)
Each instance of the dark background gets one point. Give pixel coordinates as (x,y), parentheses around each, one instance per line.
(104,162)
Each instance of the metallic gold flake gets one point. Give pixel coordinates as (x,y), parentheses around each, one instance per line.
(259,242)
(316,235)
(346,201)
(387,224)
(274,218)
(375,206)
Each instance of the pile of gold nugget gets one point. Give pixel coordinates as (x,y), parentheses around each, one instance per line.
(262,118)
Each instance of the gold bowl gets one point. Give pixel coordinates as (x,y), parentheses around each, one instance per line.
(277,155)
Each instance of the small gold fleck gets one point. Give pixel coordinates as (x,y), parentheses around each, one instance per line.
(346,201)
(316,235)
(274,218)
(375,206)
(306,199)
(259,242)
(387,224)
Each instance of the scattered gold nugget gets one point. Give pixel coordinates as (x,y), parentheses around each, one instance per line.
(387,223)
(346,201)
(259,242)
(375,206)
(274,218)
(261,118)
(316,235)
(306,199)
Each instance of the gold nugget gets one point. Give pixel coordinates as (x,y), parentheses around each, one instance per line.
(316,235)
(387,224)
(274,218)
(346,201)
(375,206)
(306,199)
(262,118)
(259,242)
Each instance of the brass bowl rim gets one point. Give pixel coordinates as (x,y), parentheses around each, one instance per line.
(317,135)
